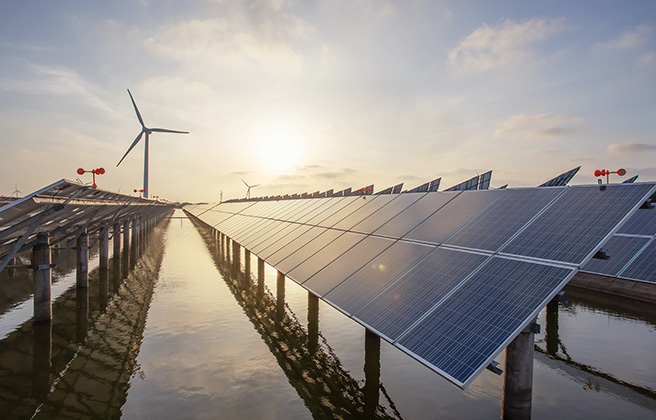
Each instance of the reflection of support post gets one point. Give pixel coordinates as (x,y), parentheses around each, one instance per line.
(81,313)
(247,264)
(41,359)
(371,372)
(518,379)
(117,250)
(135,243)
(11,271)
(260,277)
(228,252)
(313,322)
(551,329)
(103,269)
(125,263)
(42,277)
(82,274)
(280,296)
(236,254)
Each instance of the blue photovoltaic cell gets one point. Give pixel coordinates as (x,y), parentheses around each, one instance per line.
(253,229)
(503,218)
(347,264)
(620,249)
(294,245)
(335,205)
(453,215)
(362,286)
(571,229)
(284,229)
(346,206)
(411,296)
(374,203)
(325,256)
(307,250)
(642,222)
(415,214)
(644,266)
(462,334)
(249,240)
(385,213)
(324,204)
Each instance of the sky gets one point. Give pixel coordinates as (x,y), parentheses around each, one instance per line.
(302,96)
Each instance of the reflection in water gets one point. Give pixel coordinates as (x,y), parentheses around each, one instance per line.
(314,370)
(79,364)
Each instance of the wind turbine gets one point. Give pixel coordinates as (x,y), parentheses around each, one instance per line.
(148,132)
(16,192)
(248,191)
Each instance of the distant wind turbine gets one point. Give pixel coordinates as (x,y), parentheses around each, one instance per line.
(16,192)
(147,131)
(248,191)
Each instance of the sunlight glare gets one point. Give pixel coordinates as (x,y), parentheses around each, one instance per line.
(279,146)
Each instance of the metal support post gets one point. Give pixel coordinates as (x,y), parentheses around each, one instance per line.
(42,277)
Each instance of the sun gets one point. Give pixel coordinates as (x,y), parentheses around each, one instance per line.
(279,146)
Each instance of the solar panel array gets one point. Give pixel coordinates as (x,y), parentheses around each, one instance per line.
(479,182)
(451,278)
(562,179)
(632,250)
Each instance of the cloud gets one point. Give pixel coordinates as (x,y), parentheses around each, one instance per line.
(647,59)
(493,47)
(629,148)
(628,40)
(538,126)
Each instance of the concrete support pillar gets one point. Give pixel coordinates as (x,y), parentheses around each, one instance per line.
(371,389)
(280,296)
(313,322)
(42,278)
(82,258)
(518,379)
(551,327)
(260,277)
(103,269)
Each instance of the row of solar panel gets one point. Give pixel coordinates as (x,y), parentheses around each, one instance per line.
(453,306)
(632,250)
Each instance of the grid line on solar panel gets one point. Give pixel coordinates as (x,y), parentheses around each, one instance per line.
(415,214)
(349,206)
(372,205)
(453,215)
(621,249)
(643,266)
(410,297)
(271,249)
(295,245)
(464,333)
(249,227)
(376,275)
(292,212)
(572,226)
(325,256)
(503,218)
(292,260)
(642,222)
(279,233)
(318,207)
(334,204)
(272,230)
(385,213)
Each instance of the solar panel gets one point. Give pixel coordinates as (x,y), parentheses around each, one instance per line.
(278,233)
(345,207)
(306,251)
(630,180)
(411,296)
(385,213)
(434,185)
(377,274)
(267,252)
(642,222)
(454,214)
(415,214)
(324,256)
(621,250)
(348,263)
(332,205)
(466,331)
(571,228)
(644,266)
(503,218)
(484,181)
(294,245)
(562,179)
(373,204)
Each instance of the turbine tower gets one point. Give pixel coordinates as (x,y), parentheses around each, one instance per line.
(248,191)
(147,131)
(16,192)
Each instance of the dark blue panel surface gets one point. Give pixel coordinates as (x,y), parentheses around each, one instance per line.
(644,266)
(387,212)
(361,287)
(307,250)
(345,207)
(503,218)
(411,296)
(620,249)
(642,222)
(463,334)
(295,245)
(373,204)
(572,228)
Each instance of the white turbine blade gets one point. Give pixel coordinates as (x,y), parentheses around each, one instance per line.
(134,143)
(136,110)
(256,185)
(164,130)
(245,183)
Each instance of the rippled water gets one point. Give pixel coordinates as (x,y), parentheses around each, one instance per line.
(211,346)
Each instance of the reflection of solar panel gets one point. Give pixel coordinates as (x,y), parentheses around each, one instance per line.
(450,278)
(562,179)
